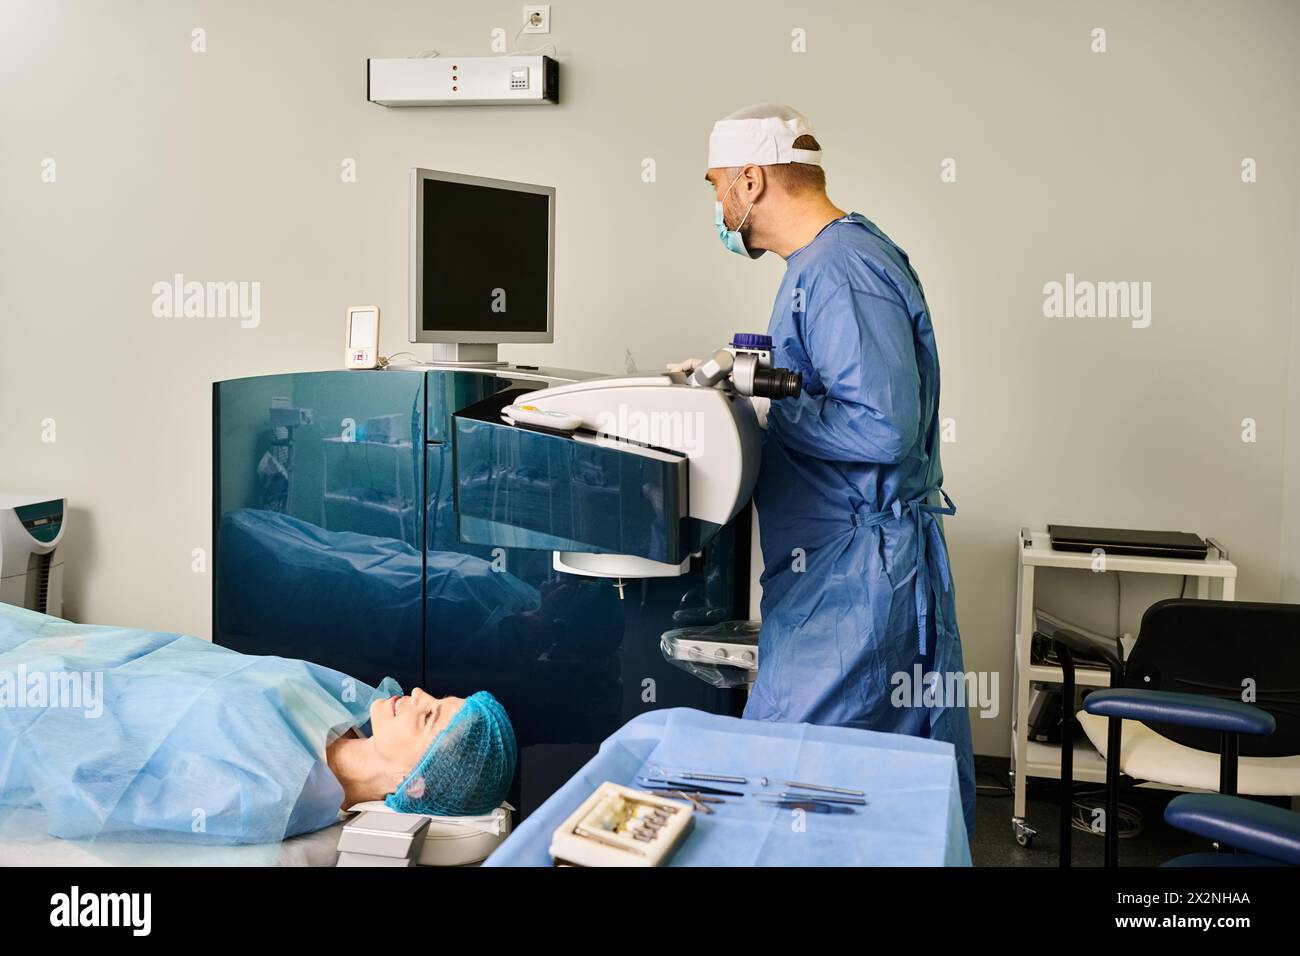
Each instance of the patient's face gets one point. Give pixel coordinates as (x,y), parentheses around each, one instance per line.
(402,728)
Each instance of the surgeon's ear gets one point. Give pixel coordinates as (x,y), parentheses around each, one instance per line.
(755,182)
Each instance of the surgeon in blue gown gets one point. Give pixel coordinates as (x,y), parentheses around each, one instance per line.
(857,589)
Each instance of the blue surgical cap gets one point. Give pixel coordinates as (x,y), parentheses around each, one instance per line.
(468,768)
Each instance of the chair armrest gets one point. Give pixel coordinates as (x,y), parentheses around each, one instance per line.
(1245,824)
(1187,710)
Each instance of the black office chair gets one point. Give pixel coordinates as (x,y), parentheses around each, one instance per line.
(1185,679)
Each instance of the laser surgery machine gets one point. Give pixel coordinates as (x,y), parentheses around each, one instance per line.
(468,524)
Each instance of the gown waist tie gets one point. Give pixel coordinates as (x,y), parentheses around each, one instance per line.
(921,513)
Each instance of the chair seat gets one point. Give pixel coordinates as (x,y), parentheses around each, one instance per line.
(1147,755)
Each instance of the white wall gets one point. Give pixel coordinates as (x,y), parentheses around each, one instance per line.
(225,165)
(1290,544)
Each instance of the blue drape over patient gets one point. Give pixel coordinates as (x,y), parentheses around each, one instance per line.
(191,743)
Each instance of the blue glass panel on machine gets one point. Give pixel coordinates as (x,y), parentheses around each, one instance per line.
(318,492)
(337,540)
(558,492)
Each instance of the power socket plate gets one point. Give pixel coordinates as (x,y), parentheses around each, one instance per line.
(543,12)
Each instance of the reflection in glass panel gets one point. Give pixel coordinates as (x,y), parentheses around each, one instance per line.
(337,540)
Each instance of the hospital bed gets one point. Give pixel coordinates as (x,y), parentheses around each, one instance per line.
(25,841)
(144,748)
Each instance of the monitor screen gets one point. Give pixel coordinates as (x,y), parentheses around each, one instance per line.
(485,260)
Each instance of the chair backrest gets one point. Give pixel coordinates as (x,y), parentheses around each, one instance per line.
(1214,648)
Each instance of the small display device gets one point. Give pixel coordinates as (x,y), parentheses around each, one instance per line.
(619,826)
(363,337)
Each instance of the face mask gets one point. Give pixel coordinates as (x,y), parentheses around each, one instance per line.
(731,237)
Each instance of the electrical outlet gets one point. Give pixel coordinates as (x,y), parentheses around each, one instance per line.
(537,18)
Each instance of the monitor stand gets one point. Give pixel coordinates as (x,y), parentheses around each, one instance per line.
(465,353)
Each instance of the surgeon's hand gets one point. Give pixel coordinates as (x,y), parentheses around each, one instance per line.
(686,367)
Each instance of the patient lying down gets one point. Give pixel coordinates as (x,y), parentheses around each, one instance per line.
(190,742)
(445,756)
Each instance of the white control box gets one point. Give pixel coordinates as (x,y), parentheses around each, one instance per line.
(463,81)
(363,337)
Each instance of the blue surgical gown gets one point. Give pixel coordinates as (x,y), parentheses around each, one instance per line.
(856,584)
(178,740)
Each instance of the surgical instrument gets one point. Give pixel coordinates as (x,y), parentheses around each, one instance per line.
(810,806)
(702,797)
(764,781)
(695,800)
(787,795)
(695,775)
(678,784)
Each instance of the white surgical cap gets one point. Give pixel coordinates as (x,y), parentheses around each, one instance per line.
(763,135)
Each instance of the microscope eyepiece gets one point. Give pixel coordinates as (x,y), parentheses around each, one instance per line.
(777,383)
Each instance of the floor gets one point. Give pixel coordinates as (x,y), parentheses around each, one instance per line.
(994,843)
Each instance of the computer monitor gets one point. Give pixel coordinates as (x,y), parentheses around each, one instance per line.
(482,264)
